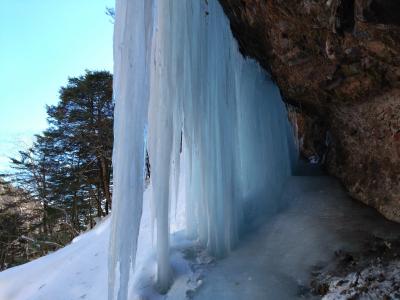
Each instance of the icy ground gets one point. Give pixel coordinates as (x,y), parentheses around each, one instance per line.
(273,262)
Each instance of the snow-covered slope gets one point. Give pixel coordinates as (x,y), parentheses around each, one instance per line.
(79,271)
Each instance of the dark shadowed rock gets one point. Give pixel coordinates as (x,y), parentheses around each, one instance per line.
(338,62)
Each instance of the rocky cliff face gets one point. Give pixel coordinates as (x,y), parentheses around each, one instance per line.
(338,63)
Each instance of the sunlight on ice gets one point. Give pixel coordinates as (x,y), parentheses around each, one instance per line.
(179,77)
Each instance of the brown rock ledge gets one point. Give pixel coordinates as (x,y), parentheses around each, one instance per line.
(338,63)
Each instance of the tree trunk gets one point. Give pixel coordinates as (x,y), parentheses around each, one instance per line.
(105,178)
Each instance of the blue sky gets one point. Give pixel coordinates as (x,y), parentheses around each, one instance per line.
(42,43)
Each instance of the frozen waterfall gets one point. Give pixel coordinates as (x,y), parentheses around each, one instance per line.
(183,90)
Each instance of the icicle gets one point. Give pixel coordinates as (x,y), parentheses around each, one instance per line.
(189,77)
(132,40)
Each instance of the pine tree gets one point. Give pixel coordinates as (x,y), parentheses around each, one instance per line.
(82,126)
(68,168)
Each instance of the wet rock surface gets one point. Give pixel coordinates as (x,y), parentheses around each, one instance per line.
(372,273)
(337,62)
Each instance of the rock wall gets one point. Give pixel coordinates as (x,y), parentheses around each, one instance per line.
(338,63)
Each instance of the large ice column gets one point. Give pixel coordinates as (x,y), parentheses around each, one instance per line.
(132,40)
(178,71)
(235,128)
(161,136)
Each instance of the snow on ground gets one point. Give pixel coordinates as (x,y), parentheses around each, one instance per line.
(79,270)
(273,262)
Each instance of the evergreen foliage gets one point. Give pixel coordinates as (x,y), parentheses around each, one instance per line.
(67,171)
